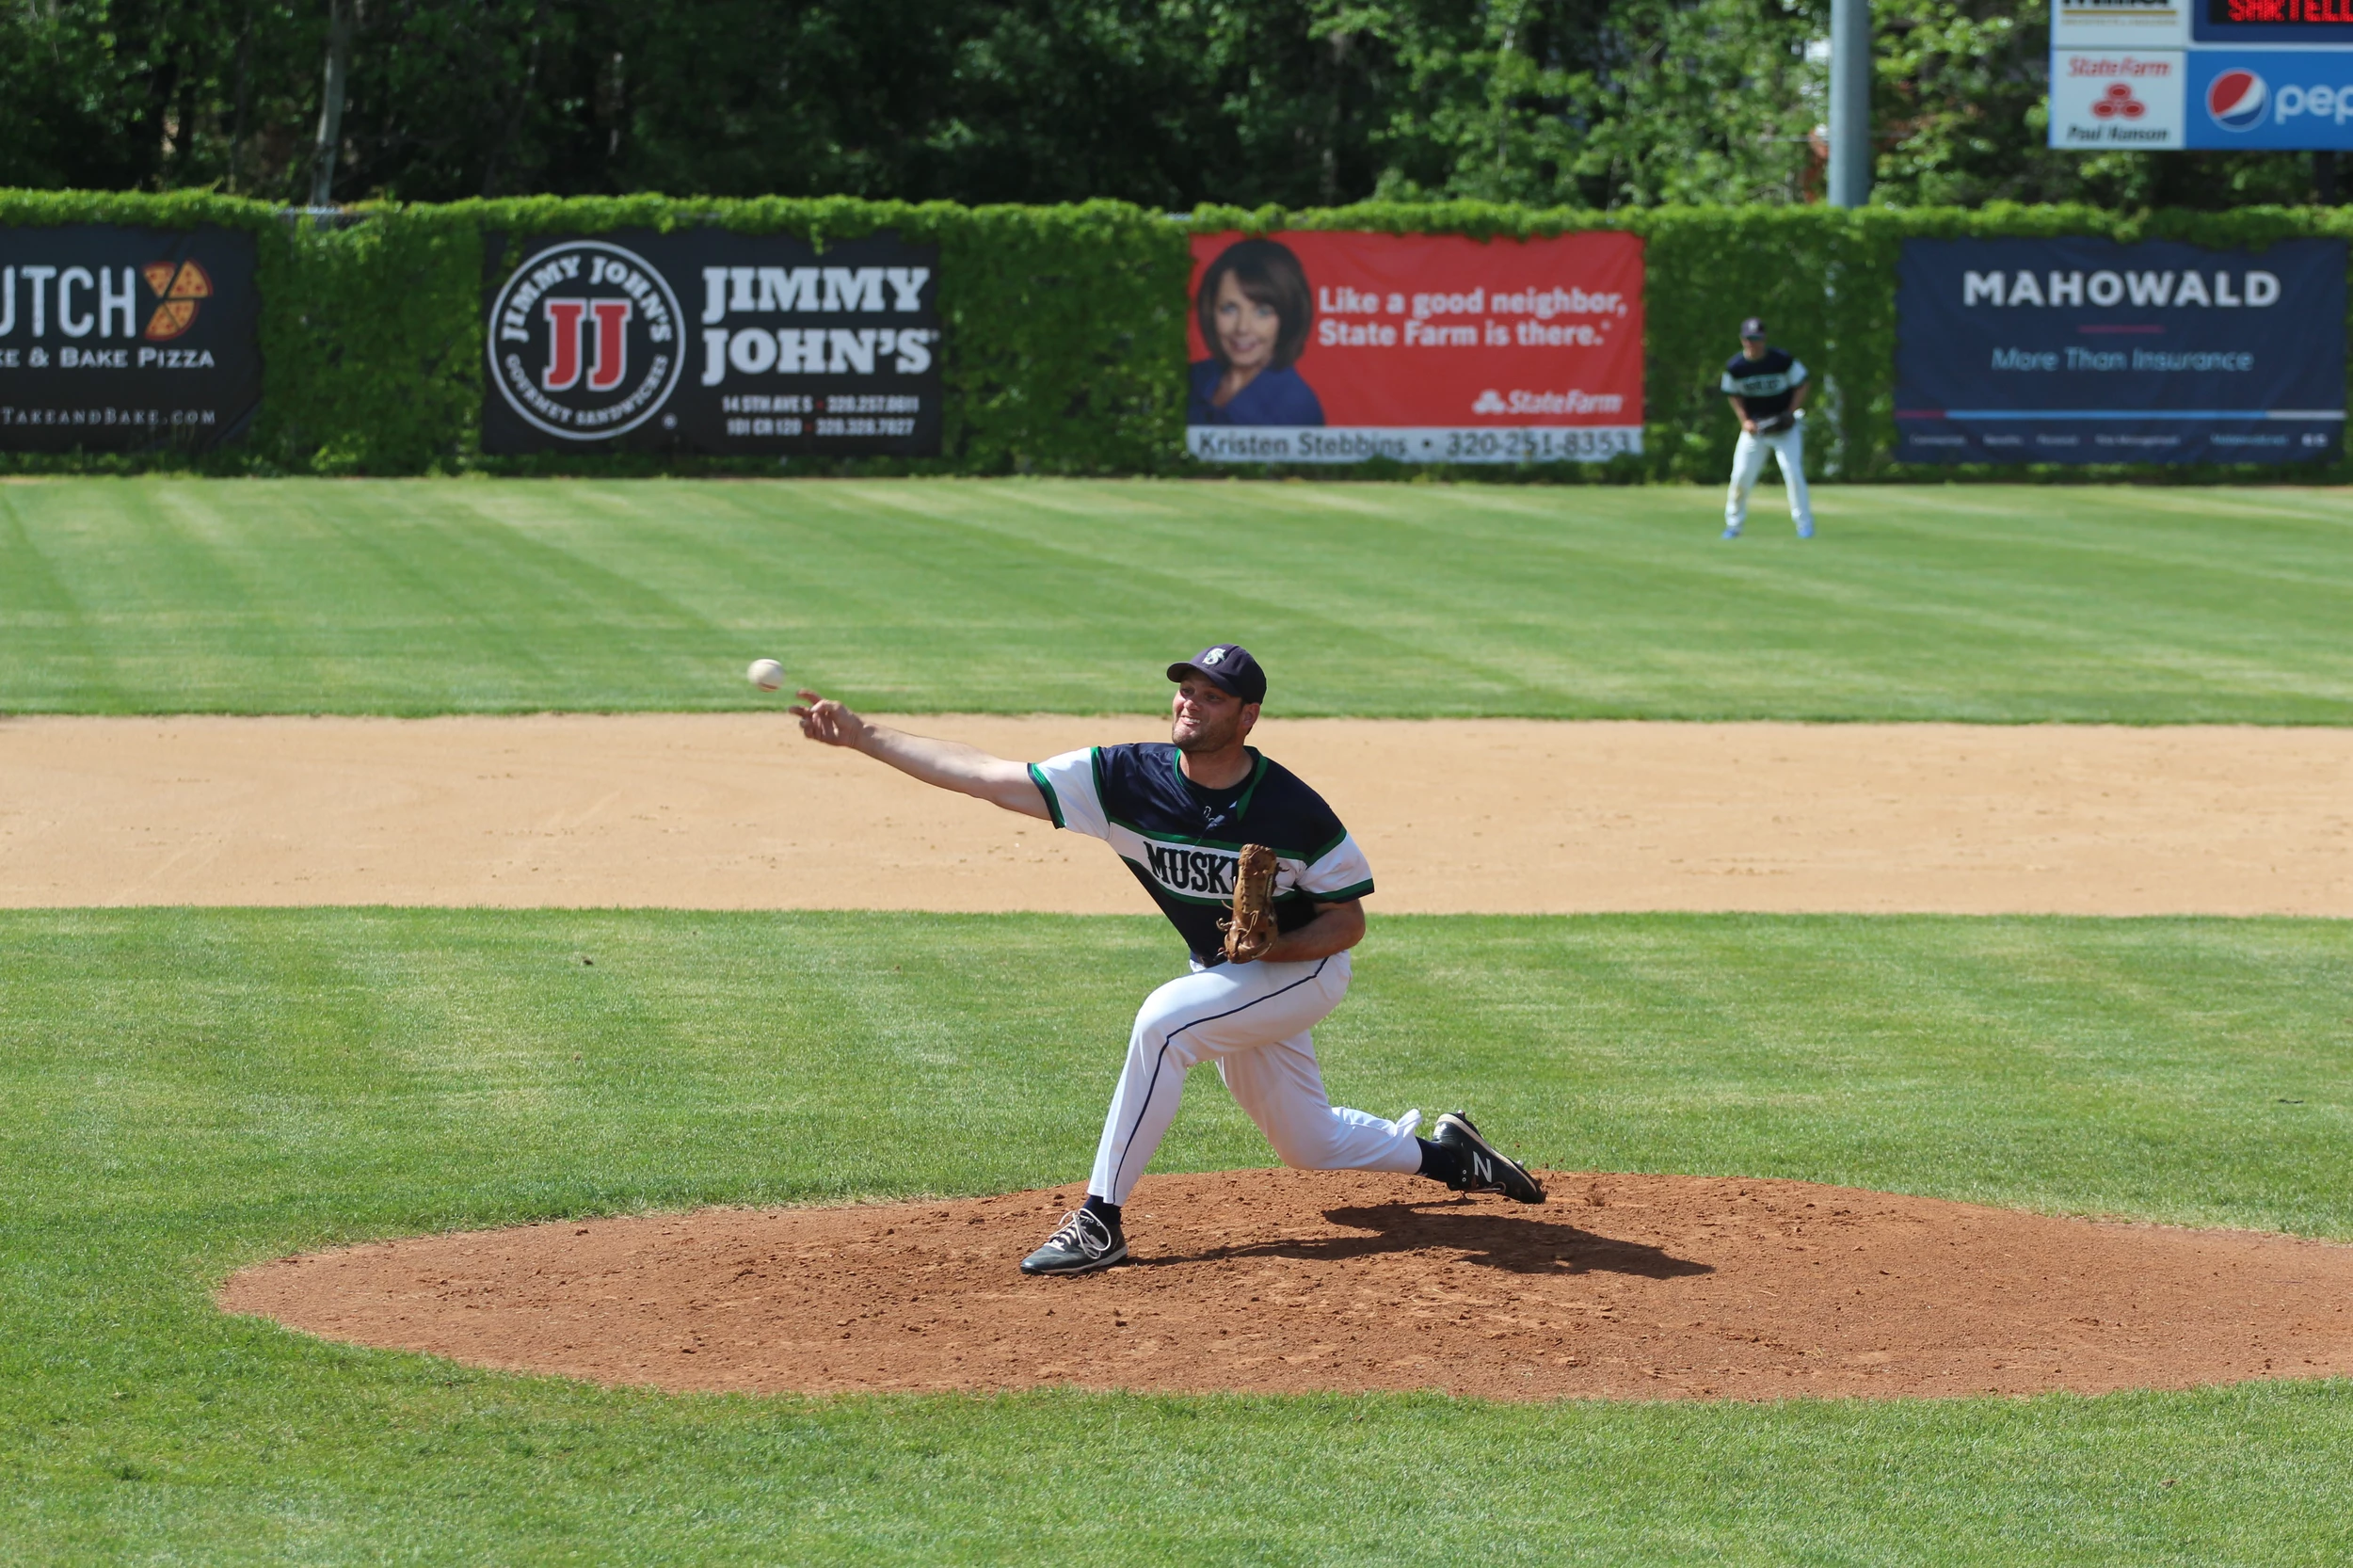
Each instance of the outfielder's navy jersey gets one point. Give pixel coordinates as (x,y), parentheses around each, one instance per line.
(1766,384)
(1182,840)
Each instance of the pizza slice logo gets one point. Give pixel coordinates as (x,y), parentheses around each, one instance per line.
(180,287)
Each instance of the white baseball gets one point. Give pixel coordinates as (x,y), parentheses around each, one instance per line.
(766,674)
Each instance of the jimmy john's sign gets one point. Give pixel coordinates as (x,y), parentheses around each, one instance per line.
(711,342)
(115,339)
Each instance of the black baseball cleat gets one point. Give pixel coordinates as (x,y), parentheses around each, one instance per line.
(1082,1243)
(1483,1169)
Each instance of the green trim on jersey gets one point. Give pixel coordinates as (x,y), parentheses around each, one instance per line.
(1150,836)
(1053,805)
(1289,896)
(1237,845)
(1337,840)
(1240,807)
(1242,801)
(1102,798)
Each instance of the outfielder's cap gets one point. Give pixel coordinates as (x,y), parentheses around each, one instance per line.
(1753,327)
(1229,668)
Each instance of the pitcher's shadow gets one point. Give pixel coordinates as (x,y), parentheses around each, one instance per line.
(1516,1242)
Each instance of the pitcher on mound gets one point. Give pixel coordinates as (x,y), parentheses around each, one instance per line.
(1179,815)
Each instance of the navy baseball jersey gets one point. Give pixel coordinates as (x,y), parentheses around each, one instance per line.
(1766,384)
(1182,840)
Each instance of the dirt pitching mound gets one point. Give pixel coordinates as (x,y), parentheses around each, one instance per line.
(1622,1286)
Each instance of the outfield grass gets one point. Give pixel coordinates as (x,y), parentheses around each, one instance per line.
(1997,603)
(185,1092)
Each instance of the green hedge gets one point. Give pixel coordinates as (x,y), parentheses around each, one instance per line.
(1064,349)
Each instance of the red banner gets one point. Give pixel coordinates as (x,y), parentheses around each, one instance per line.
(1334,347)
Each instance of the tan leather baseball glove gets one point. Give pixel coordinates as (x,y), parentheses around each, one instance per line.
(1250,930)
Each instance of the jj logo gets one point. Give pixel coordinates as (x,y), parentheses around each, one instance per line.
(610,360)
(583,341)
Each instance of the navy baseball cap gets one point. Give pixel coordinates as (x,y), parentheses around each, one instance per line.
(1229,667)
(1753,327)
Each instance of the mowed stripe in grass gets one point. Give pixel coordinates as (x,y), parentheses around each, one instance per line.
(183,1092)
(1993,603)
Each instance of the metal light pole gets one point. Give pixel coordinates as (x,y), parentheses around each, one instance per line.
(1849,102)
(331,102)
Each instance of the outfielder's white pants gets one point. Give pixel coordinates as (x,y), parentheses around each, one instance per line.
(1748,463)
(1254,1021)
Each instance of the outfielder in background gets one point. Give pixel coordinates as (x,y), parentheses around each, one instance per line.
(1768,389)
(1179,815)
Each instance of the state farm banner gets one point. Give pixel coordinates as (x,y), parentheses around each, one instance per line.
(1312,347)
(115,339)
(2088,351)
(707,341)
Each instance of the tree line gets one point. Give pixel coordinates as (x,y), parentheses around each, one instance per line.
(1597,104)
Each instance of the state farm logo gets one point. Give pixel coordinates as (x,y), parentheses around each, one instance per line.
(583,341)
(1573,401)
(2118,103)
(2237,100)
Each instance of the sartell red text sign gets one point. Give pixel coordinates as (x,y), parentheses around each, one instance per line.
(1335,347)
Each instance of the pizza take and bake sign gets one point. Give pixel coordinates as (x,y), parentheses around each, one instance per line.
(115,338)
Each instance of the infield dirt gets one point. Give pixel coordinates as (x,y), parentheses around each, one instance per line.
(1624,1286)
(1641,1286)
(735,811)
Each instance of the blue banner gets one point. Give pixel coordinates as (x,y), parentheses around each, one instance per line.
(2087,351)
(2268,99)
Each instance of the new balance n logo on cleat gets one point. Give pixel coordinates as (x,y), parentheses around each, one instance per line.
(1483,1169)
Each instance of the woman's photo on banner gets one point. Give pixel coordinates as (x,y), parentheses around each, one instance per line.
(1255,310)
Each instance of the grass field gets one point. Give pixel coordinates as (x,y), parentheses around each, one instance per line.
(2009,603)
(184,1092)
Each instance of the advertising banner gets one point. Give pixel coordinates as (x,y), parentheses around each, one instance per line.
(2116,98)
(2087,351)
(115,339)
(1310,347)
(705,341)
(2268,100)
(2269,76)
(2119,23)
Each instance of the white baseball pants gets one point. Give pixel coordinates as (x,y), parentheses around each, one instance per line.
(1254,1021)
(1748,463)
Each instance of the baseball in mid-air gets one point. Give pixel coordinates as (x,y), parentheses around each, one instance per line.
(766,674)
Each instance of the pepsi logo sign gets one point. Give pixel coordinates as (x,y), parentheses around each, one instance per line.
(2237,100)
